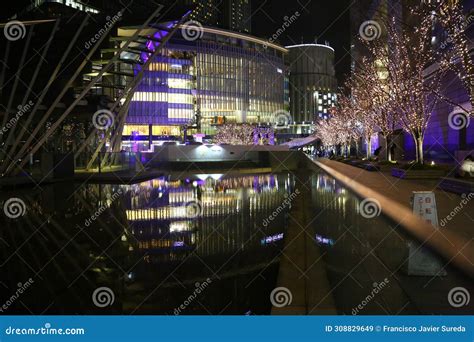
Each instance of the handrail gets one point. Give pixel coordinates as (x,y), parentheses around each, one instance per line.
(449,245)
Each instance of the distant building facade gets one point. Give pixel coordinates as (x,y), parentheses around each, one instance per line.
(222,77)
(313,83)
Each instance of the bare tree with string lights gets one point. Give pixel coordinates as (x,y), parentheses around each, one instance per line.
(372,80)
(360,110)
(406,56)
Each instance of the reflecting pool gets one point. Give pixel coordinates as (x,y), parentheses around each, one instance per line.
(205,244)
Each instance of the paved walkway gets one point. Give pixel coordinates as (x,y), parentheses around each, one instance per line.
(401,190)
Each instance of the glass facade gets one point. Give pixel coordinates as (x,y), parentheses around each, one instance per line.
(223,77)
(237,85)
(164,94)
(312,81)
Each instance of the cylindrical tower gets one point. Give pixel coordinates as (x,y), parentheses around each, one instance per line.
(312,81)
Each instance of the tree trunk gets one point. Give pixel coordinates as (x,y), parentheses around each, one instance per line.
(388,148)
(419,149)
(369,147)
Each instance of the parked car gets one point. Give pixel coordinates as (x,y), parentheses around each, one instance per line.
(467,167)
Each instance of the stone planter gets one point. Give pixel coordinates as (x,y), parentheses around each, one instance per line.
(417,174)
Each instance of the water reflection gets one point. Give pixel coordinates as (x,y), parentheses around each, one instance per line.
(143,242)
(361,253)
(155,243)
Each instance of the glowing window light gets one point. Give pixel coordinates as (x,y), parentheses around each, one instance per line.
(179,226)
(179,83)
(272,238)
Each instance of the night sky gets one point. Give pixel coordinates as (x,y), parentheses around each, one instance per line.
(326,20)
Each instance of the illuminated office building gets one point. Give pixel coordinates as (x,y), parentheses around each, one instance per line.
(234,15)
(206,12)
(312,81)
(237,15)
(222,77)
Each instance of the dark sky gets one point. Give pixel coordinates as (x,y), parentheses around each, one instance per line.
(326,20)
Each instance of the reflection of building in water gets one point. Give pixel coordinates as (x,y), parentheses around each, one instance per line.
(206,214)
(329,193)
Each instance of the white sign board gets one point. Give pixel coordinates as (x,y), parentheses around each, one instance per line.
(421,261)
